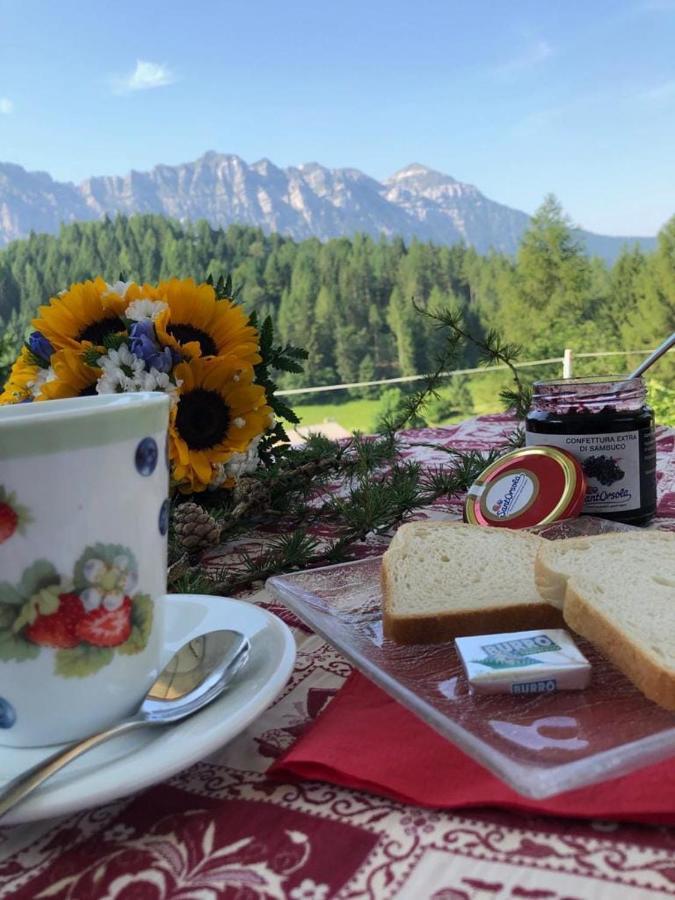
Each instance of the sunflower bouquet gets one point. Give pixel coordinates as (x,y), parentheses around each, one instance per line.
(188,340)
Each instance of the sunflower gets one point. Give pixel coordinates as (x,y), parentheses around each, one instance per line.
(72,377)
(22,377)
(219,412)
(84,314)
(197,324)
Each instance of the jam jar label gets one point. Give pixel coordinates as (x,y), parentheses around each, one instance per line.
(611,464)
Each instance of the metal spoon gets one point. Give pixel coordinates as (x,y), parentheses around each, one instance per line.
(195,676)
(651,359)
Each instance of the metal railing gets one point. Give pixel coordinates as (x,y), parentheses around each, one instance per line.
(567,361)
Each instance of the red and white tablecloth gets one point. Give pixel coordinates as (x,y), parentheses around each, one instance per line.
(222,829)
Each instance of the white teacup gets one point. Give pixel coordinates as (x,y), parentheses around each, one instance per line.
(83,522)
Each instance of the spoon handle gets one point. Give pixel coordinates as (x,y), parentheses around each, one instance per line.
(26,783)
(651,359)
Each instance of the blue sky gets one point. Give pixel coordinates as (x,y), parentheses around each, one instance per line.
(520,98)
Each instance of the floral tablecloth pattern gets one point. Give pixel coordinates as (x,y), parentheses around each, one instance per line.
(223,829)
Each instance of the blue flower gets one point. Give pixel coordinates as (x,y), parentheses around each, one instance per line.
(39,346)
(145,346)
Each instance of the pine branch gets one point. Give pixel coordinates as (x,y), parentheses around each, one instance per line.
(413,404)
(492,349)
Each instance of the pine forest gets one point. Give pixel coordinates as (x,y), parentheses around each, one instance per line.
(351,302)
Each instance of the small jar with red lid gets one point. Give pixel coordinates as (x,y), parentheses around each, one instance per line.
(527,487)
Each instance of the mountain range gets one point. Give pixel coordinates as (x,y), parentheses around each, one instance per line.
(303,201)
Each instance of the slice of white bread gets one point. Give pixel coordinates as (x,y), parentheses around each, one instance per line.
(618,591)
(443,580)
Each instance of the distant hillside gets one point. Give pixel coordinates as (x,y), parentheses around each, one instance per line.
(301,202)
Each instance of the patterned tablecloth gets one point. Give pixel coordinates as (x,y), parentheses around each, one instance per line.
(223,829)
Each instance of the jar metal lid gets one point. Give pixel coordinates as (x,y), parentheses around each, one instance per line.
(527,487)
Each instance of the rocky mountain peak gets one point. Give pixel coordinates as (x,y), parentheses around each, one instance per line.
(309,200)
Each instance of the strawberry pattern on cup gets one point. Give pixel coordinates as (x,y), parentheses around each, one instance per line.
(13,517)
(85,618)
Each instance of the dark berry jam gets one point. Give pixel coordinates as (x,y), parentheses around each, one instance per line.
(607,425)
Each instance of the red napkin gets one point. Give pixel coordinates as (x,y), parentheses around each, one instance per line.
(366,740)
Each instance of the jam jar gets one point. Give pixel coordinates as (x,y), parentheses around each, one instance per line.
(607,425)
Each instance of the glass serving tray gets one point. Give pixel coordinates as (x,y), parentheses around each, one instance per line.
(540,745)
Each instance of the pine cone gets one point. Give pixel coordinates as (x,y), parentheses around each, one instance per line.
(195,528)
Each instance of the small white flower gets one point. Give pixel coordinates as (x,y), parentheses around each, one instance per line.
(108,583)
(154,380)
(122,372)
(138,310)
(130,583)
(239,422)
(119,287)
(236,377)
(113,600)
(237,465)
(42,377)
(218,476)
(91,598)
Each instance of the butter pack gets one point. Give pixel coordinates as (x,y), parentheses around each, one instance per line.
(523,662)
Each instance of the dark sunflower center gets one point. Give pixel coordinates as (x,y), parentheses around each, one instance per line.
(101,329)
(88,391)
(202,419)
(186,333)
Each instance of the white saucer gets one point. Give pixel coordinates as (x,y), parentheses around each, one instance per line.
(135,761)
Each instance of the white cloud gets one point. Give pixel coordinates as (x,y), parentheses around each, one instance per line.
(145,76)
(660,93)
(536,53)
(6,106)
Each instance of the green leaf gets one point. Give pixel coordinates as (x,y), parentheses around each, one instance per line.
(114,341)
(141,625)
(45,601)
(7,615)
(289,365)
(82,661)
(9,594)
(41,574)
(15,647)
(281,409)
(91,357)
(295,352)
(266,335)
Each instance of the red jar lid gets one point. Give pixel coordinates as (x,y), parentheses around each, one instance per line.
(527,487)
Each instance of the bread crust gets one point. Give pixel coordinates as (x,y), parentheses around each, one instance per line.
(436,629)
(442,627)
(655,682)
